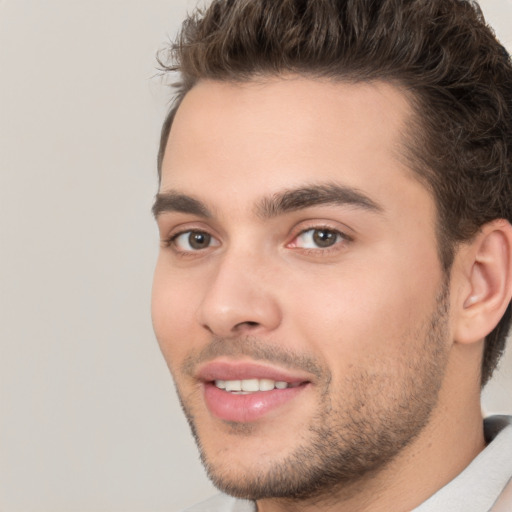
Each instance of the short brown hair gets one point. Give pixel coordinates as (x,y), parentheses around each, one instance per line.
(440,51)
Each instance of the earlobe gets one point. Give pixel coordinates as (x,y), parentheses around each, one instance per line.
(487,290)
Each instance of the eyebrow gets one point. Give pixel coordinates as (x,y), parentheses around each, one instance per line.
(275,205)
(315,195)
(176,202)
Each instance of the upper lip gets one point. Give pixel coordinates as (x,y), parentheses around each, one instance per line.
(224,369)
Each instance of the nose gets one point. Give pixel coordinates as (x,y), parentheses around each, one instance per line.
(240,298)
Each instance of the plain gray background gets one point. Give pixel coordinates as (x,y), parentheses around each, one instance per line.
(88,416)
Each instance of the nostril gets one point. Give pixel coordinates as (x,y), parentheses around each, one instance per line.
(208,328)
(247,324)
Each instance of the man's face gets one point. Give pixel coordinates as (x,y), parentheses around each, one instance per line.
(298,296)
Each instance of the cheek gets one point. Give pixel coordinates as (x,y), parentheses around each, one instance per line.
(173,306)
(374,308)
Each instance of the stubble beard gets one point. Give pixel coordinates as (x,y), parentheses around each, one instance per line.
(353,436)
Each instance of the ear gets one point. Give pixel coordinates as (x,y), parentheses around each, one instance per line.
(484,275)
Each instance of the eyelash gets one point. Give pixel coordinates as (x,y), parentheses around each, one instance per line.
(170,242)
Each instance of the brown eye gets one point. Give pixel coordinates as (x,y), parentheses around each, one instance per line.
(324,237)
(319,238)
(190,241)
(199,240)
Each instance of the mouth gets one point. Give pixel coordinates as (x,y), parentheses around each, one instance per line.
(247,392)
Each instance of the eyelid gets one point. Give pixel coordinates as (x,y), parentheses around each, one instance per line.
(170,229)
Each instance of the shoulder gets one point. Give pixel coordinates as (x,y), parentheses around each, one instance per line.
(223,503)
(502,426)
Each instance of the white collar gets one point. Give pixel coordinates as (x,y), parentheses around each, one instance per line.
(479,486)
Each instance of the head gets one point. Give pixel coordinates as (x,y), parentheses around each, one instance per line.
(432,74)
(457,77)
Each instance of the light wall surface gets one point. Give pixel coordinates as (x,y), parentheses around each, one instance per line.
(89,420)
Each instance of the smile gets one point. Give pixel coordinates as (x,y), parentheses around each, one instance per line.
(247,386)
(247,391)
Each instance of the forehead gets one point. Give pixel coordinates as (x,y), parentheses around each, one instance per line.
(249,140)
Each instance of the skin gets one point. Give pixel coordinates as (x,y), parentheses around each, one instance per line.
(374,312)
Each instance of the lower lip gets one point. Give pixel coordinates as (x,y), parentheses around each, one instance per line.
(246,408)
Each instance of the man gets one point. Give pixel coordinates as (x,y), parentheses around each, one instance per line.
(335,276)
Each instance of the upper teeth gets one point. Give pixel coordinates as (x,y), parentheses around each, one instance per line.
(251,385)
